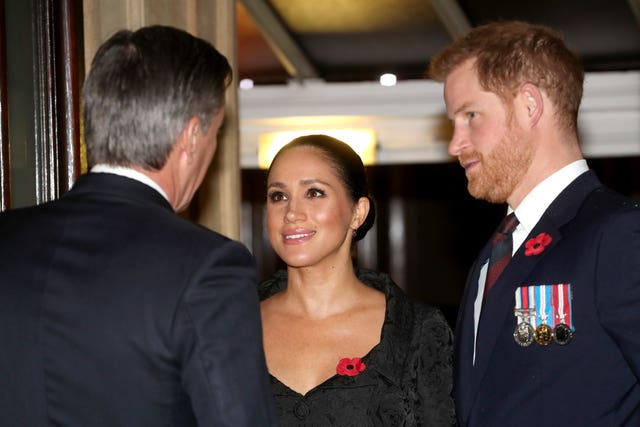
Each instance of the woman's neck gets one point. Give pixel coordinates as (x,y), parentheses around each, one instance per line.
(318,292)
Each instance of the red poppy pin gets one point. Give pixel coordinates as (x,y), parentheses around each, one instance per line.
(350,367)
(537,245)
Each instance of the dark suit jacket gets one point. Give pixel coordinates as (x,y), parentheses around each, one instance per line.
(595,379)
(114,311)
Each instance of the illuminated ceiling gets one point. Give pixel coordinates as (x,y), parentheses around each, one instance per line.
(316,63)
(357,40)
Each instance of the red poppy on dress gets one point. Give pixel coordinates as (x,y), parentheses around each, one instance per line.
(536,245)
(350,367)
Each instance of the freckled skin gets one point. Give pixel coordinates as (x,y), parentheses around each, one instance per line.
(306,197)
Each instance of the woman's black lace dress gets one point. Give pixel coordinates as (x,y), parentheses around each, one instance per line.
(408,376)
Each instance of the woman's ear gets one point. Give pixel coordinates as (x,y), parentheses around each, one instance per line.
(360,212)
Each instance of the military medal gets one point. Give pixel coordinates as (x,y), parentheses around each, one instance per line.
(523,334)
(543,315)
(544,333)
(562,333)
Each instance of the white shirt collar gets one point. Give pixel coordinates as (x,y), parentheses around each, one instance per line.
(529,213)
(129,173)
(538,200)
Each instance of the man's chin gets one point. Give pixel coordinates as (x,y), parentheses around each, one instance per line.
(483,193)
(475,190)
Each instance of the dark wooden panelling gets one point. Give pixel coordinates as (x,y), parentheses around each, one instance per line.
(441,227)
(5,182)
(69,73)
(427,233)
(45,106)
(58,54)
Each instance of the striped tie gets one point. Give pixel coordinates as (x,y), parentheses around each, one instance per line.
(501,248)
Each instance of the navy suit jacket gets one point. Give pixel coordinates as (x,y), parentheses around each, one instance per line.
(114,311)
(595,379)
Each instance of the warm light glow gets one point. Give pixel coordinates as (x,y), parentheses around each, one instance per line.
(246,84)
(388,79)
(363,142)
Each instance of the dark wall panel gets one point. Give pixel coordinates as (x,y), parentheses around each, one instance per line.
(428,230)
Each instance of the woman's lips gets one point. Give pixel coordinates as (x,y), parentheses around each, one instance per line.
(298,236)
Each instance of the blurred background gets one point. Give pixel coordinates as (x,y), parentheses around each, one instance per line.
(352,68)
(358,40)
(300,60)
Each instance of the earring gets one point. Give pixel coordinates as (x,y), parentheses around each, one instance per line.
(354,232)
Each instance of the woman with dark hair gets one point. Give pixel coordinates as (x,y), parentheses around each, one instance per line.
(344,346)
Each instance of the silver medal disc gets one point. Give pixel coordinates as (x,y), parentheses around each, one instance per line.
(523,335)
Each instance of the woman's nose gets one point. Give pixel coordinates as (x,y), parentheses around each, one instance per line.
(293,213)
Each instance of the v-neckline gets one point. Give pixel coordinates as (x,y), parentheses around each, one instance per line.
(366,359)
(371,359)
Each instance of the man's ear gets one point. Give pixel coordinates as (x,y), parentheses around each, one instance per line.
(532,101)
(188,139)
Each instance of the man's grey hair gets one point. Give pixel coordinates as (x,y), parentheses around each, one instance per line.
(143,88)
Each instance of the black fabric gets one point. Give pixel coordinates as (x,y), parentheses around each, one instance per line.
(114,311)
(408,375)
(593,380)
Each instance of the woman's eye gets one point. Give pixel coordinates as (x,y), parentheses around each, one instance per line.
(314,192)
(276,196)
(471,115)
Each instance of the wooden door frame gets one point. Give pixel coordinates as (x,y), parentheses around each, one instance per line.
(5,182)
(58,61)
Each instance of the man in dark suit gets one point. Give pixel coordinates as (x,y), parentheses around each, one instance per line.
(115,311)
(548,331)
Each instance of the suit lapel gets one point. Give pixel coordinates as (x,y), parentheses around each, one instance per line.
(463,341)
(499,305)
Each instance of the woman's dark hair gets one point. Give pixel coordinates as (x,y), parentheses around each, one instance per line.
(349,168)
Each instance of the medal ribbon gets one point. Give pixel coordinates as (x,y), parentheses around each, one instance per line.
(533,319)
(562,296)
(554,303)
(558,304)
(562,304)
(545,314)
(518,309)
(523,311)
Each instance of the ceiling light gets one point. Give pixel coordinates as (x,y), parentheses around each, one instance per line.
(246,84)
(363,142)
(388,79)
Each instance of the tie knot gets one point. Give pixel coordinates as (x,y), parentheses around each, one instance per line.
(508,224)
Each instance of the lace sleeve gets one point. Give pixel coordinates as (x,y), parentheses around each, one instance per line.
(434,380)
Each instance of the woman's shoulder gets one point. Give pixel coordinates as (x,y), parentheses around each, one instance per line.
(398,301)
(275,283)
(416,323)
